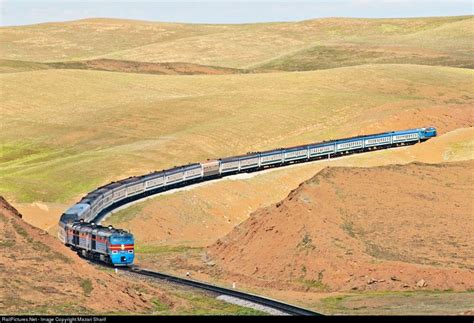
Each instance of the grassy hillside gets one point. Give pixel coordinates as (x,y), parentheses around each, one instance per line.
(65,131)
(448,44)
(305,45)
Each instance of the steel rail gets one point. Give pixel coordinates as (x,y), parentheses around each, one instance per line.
(271,303)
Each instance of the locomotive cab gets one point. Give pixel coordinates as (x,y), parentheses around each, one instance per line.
(121,247)
(427,133)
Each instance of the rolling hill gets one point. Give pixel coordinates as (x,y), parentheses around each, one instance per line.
(304,45)
(449,44)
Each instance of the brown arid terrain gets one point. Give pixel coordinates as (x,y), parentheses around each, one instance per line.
(389,239)
(41,276)
(392,227)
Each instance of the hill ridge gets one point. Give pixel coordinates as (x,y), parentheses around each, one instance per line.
(114,19)
(239,45)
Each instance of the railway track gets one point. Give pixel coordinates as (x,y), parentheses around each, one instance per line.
(267,302)
(100,202)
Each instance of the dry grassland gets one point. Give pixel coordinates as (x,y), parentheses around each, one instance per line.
(65,132)
(304,45)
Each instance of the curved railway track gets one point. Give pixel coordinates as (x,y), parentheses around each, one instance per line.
(286,156)
(267,302)
(282,307)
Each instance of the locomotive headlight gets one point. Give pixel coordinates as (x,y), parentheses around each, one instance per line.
(122,247)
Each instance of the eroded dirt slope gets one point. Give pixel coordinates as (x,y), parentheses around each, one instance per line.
(384,228)
(40,275)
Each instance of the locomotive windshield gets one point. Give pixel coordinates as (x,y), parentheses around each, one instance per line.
(121,238)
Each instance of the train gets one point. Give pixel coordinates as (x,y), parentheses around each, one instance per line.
(79,228)
(96,242)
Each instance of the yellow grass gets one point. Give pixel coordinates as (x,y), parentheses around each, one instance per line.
(64,132)
(444,40)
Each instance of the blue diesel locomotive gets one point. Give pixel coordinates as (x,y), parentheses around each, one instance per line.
(77,227)
(96,242)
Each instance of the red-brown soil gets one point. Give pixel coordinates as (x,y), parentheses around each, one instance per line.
(40,275)
(445,118)
(383,228)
